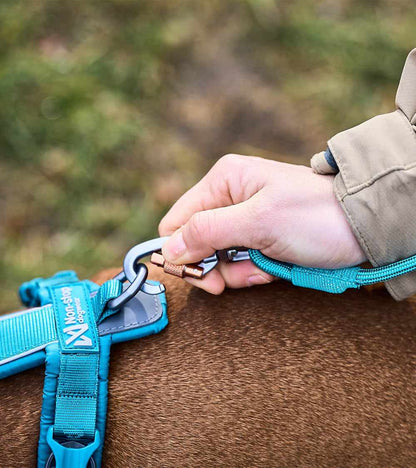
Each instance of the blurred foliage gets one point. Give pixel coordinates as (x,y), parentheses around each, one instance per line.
(110,109)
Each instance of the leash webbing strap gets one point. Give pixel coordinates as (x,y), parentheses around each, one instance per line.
(335,280)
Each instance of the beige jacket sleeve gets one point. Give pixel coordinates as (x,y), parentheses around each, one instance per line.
(376,182)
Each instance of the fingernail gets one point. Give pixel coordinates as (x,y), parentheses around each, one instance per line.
(175,247)
(253,280)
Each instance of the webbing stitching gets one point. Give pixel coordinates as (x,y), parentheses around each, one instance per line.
(27,347)
(76,395)
(20,312)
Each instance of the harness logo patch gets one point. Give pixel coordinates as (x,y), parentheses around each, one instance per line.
(71,303)
(77,331)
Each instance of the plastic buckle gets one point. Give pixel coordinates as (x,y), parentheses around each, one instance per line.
(71,454)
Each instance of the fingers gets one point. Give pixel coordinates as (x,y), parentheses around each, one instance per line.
(210,192)
(219,212)
(200,197)
(228,182)
(232,275)
(212,283)
(243,274)
(211,230)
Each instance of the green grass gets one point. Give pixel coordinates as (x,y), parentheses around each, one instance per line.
(109,110)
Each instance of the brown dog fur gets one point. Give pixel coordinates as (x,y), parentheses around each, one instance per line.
(267,376)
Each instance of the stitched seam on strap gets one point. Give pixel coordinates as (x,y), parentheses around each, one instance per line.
(21,312)
(26,348)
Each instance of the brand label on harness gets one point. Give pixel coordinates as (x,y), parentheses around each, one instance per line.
(74,317)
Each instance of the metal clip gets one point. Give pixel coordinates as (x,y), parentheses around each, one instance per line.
(131,262)
(136,273)
(193,271)
(199,270)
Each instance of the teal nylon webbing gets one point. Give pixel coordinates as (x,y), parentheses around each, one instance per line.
(333,281)
(22,332)
(34,328)
(107,291)
(76,396)
(77,317)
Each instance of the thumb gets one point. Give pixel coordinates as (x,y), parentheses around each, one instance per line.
(210,230)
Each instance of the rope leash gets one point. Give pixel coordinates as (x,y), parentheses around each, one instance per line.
(333,281)
(330,280)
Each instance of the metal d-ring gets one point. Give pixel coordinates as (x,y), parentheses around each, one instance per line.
(132,289)
(131,263)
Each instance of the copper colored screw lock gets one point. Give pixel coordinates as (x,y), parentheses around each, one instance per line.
(193,271)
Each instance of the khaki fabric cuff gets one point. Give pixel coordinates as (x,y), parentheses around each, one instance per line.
(376,187)
(376,183)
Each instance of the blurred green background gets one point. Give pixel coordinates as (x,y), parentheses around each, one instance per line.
(110,109)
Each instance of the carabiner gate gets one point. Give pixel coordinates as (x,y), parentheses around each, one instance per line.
(135,272)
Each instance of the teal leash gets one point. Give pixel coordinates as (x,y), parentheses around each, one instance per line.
(333,281)
(330,280)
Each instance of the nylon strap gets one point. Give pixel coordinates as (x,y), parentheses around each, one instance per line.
(23,332)
(77,316)
(76,396)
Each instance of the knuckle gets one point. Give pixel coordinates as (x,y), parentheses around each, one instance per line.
(197,226)
(162,227)
(229,160)
(202,226)
(232,169)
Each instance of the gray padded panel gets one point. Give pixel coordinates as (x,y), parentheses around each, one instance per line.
(142,310)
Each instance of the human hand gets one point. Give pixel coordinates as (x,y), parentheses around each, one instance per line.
(288,212)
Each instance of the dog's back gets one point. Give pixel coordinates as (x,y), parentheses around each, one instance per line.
(268,376)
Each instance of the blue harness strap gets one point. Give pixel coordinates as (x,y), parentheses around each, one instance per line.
(77,316)
(21,333)
(71,330)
